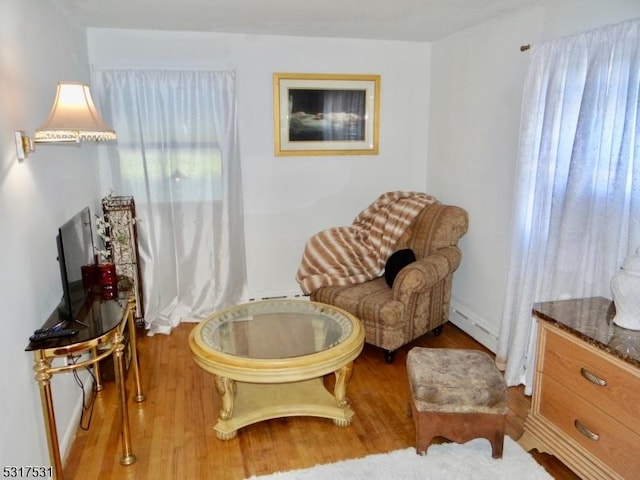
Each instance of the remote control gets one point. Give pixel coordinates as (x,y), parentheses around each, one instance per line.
(44,330)
(48,333)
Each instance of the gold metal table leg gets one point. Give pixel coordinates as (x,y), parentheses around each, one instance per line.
(140,396)
(43,377)
(118,360)
(96,370)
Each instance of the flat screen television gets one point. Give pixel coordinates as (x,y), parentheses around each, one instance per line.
(75,249)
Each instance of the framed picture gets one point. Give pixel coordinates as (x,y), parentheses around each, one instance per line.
(326,114)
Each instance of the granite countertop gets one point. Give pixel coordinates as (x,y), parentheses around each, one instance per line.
(591,319)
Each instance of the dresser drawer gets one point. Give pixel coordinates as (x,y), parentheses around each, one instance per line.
(581,369)
(611,442)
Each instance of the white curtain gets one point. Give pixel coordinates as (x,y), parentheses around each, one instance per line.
(577,200)
(177,154)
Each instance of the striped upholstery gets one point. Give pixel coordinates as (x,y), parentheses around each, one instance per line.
(357,253)
(419,299)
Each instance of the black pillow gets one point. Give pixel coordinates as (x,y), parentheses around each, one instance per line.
(396,262)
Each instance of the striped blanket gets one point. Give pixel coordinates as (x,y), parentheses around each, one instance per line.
(357,253)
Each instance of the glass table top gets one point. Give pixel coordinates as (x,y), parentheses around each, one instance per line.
(96,318)
(276,329)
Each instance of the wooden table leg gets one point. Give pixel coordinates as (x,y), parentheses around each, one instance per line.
(227,390)
(340,391)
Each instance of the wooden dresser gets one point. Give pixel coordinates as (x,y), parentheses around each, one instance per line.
(585,408)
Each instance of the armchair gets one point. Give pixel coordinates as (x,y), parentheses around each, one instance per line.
(418,300)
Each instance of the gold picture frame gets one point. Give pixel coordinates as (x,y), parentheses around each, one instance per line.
(326,114)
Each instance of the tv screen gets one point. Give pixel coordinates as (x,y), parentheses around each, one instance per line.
(75,249)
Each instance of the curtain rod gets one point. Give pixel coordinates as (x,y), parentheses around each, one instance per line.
(524,48)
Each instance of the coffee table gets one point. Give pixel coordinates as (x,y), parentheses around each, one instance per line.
(269,359)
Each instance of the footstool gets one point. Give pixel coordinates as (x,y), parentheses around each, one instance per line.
(456,394)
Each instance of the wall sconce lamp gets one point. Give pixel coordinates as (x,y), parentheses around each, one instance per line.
(73,119)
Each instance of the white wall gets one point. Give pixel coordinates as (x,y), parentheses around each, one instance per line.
(476,87)
(38,47)
(287,199)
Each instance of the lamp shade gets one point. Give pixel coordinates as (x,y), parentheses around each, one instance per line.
(73,117)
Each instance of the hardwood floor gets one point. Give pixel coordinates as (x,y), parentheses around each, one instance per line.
(173,437)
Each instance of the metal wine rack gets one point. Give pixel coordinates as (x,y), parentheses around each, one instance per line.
(120,215)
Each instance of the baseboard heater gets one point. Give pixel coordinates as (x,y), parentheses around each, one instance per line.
(475,326)
(279,296)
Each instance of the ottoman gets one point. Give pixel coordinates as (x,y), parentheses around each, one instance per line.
(456,394)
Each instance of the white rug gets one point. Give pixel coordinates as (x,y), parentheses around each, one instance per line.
(469,461)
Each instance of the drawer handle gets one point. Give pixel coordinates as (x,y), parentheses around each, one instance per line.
(585,431)
(592,378)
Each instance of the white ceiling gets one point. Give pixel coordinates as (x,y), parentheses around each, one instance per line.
(413,20)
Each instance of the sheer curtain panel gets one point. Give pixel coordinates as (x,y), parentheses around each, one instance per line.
(177,154)
(577,202)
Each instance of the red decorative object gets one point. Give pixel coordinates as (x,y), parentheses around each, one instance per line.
(107,279)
